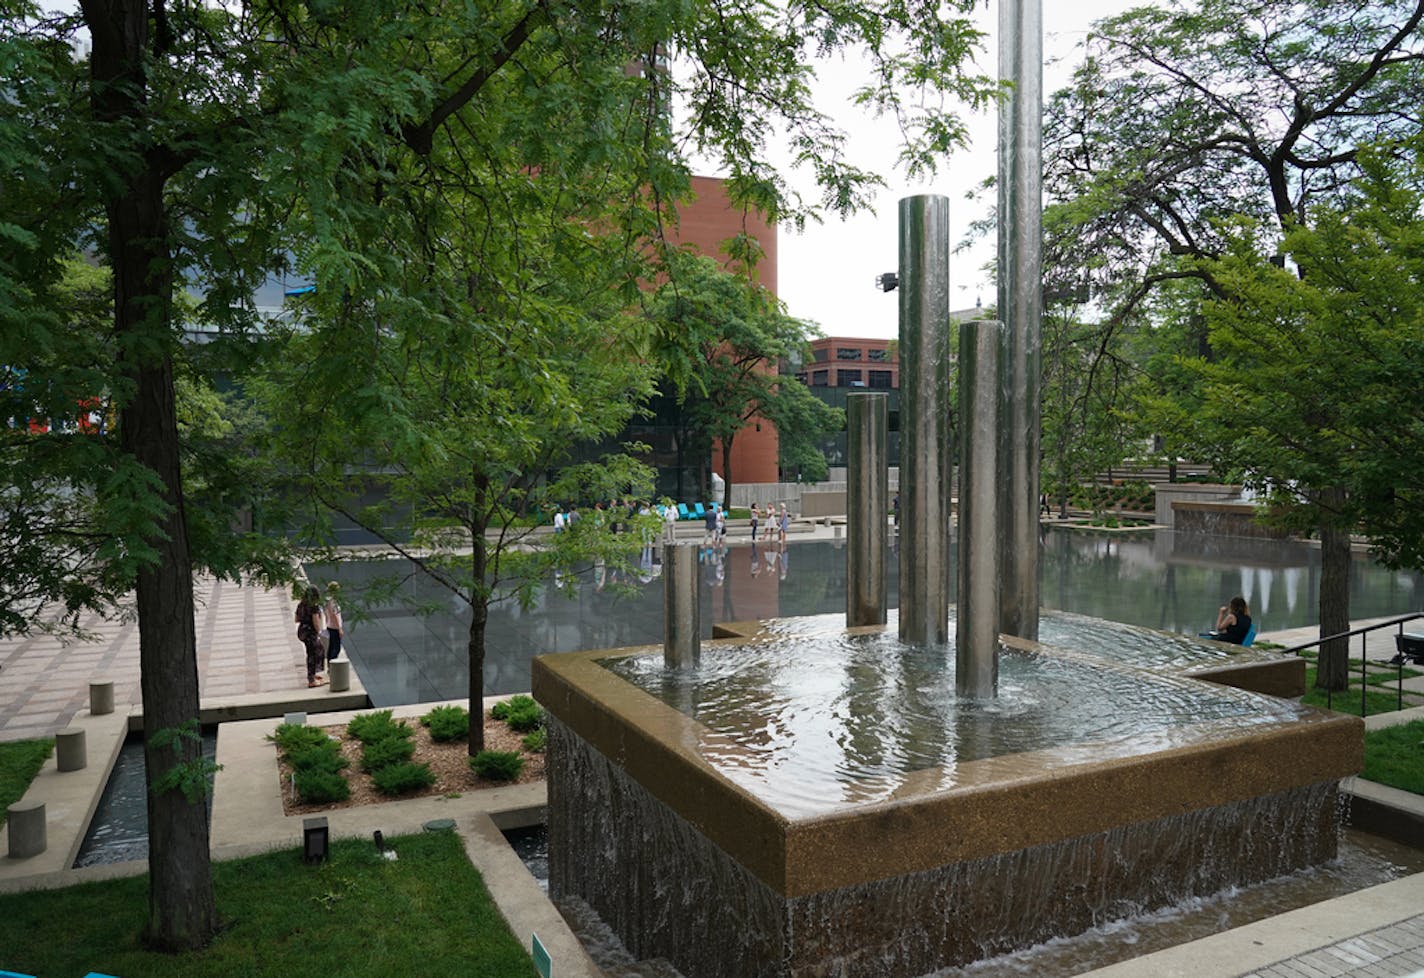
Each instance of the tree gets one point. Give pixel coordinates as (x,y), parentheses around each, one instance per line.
(1179,119)
(1312,383)
(200,147)
(722,339)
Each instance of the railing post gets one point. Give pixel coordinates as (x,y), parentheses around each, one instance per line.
(1364,676)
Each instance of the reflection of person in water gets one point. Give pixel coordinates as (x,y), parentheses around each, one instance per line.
(785,561)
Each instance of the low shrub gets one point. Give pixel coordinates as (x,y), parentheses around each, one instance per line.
(535,742)
(370,727)
(403,778)
(495,765)
(377,754)
(321,787)
(447,723)
(292,737)
(525,720)
(325,756)
(515,704)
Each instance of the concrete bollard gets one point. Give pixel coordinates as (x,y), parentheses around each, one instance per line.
(26,822)
(101,697)
(69,749)
(339,672)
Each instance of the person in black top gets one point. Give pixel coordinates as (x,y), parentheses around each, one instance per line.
(1233,621)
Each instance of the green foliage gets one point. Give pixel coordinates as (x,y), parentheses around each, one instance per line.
(494,765)
(376,754)
(378,725)
(1395,756)
(536,741)
(518,703)
(20,761)
(520,712)
(290,737)
(191,774)
(402,778)
(319,786)
(721,337)
(447,723)
(325,756)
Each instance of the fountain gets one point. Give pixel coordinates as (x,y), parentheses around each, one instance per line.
(839,798)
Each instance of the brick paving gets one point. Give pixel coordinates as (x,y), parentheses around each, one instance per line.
(246,644)
(1393,951)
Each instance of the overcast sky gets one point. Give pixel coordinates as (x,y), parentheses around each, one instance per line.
(827,273)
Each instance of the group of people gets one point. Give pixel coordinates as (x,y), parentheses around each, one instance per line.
(319,629)
(779,523)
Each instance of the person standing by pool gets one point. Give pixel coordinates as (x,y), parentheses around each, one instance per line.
(310,627)
(331,614)
(785,523)
(756,517)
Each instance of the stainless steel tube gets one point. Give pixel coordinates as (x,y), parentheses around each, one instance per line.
(924,420)
(1020,306)
(682,607)
(867,506)
(981,346)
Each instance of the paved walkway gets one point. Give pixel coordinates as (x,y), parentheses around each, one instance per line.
(246,645)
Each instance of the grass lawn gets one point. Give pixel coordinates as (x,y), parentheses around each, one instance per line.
(20,761)
(354,916)
(1395,756)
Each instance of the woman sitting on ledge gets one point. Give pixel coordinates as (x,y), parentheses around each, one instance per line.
(1233,622)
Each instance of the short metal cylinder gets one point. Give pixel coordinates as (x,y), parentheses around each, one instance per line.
(977,612)
(867,506)
(70,750)
(1020,264)
(682,607)
(925,468)
(101,697)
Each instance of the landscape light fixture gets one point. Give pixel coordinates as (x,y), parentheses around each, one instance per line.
(887,282)
(315,837)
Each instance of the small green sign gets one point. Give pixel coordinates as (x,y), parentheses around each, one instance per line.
(542,962)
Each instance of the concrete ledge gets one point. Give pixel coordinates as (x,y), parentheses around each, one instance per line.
(1386,811)
(69,797)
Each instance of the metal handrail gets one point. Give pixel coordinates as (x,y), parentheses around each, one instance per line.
(1364,661)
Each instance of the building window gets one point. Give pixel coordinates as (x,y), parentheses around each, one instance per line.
(880,378)
(849,378)
(819,354)
(877,356)
(847,353)
(820,378)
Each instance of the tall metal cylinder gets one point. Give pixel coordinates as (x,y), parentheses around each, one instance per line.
(867,506)
(1020,306)
(925,460)
(976,640)
(682,607)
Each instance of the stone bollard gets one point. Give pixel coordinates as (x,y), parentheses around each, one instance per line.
(69,749)
(26,822)
(101,697)
(339,672)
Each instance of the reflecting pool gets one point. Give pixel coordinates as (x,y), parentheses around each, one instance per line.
(1156,578)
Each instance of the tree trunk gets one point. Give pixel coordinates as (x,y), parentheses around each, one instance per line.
(479,617)
(1334,667)
(182,908)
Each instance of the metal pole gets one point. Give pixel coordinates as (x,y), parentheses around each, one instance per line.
(981,345)
(682,607)
(1021,306)
(924,420)
(867,506)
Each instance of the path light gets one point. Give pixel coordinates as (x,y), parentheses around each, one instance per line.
(887,282)
(315,837)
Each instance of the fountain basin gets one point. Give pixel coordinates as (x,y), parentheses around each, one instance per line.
(675,830)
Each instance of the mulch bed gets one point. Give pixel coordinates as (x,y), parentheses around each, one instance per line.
(449,761)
